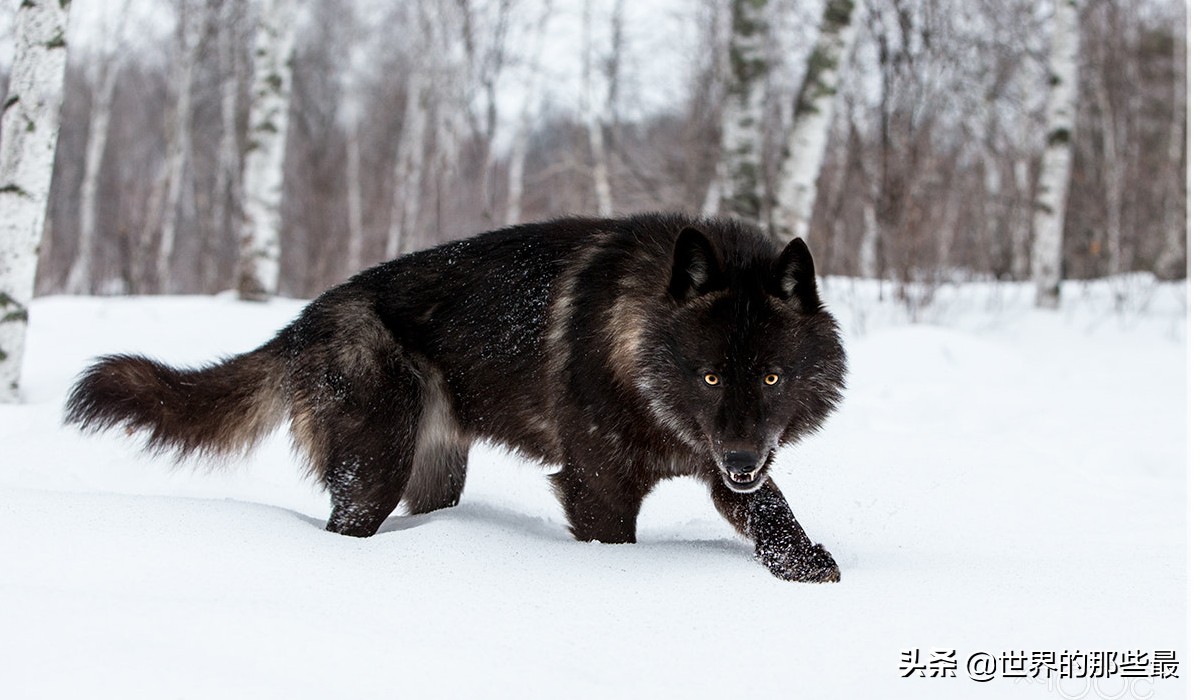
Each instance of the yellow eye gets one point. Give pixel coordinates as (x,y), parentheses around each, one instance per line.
(711,379)
(771,379)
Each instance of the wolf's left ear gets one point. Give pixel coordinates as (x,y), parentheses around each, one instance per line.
(794,277)
(697,268)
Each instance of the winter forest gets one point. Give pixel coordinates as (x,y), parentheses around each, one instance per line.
(995,195)
(911,140)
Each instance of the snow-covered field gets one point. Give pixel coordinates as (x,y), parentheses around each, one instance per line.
(998,479)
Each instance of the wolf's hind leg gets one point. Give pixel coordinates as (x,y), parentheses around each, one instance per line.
(365,441)
(440,464)
(438,477)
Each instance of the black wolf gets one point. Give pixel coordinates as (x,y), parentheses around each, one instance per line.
(627,351)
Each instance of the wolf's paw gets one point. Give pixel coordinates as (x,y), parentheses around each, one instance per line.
(809,563)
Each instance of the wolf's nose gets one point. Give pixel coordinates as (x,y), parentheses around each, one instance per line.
(740,462)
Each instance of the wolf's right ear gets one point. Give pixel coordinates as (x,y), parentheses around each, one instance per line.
(794,277)
(697,268)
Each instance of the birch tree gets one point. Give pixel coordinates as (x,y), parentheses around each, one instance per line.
(742,134)
(179,141)
(104,70)
(410,166)
(485,40)
(520,146)
(226,179)
(354,195)
(714,21)
(1055,177)
(28,134)
(593,121)
(1171,262)
(812,114)
(453,118)
(262,178)
(350,115)
(410,152)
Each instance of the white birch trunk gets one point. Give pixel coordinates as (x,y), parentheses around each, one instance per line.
(354,245)
(612,72)
(409,171)
(711,206)
(410,166)
(812,114)
(28,136)
(79,277)
(262,179)
(743,186)
(179,146)
(520,146)
(1055,177)
(592,119)
(516,175)
(449,127)
(451,98)
(107,68)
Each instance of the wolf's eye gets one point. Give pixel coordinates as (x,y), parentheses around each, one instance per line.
(711,379)
(771,379)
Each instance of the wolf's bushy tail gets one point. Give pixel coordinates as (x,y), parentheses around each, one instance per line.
(214,411)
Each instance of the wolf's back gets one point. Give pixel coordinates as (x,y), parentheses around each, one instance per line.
(213,411)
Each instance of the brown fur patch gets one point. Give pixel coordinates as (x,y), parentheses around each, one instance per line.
(626,322)
(440,462)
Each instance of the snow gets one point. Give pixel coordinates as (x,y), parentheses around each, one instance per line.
(998,479)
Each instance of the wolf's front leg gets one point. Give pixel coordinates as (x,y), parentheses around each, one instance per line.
(601,502)
(779,541)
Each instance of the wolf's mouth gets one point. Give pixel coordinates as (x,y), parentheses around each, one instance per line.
(744,482)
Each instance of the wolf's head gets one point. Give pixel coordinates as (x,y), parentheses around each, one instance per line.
(745,358)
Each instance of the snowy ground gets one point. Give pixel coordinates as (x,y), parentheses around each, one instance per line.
(998,479)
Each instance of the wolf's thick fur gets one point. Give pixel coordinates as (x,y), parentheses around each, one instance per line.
(627,351)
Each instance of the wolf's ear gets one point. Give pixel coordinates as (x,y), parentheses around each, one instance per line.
(794,278)
(697,268)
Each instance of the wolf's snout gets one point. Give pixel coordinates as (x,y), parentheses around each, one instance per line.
(740,462)
(742,471)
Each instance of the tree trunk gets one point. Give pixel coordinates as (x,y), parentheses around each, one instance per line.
(409,171)
(743,188)
(28,136)
(410,166)
(79,278)
(592,119)
(104,80)
(1113,177)
(812,114)
(1020,230)
(179,143)
(1055,177)
(354,245)
(520,146)
(262,179)
(994,214)
(711,206)
(225,182)
(447,142)
(1172,261)
(485,38)
(868,252)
